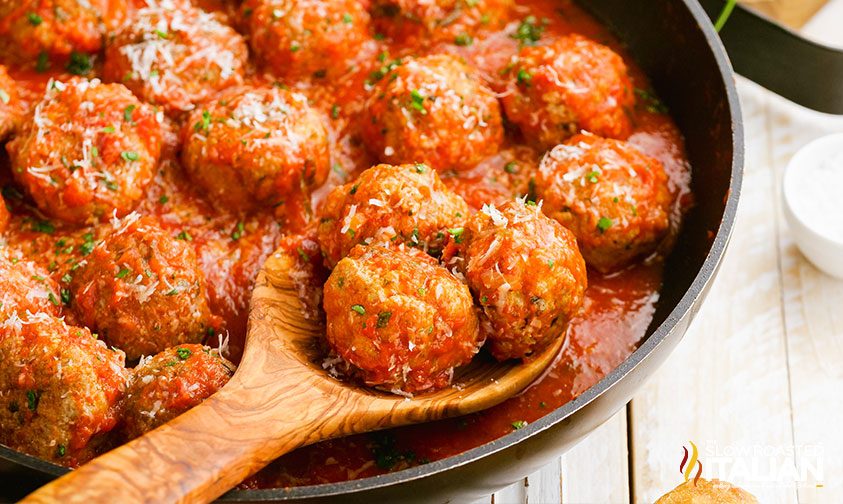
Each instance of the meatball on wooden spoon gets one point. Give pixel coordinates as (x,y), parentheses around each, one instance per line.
(279,399)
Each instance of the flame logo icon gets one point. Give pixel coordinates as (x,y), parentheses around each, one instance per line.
(686,467)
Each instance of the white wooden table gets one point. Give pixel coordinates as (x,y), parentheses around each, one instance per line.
(757,382)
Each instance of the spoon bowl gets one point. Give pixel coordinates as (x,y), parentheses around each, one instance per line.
(279,399)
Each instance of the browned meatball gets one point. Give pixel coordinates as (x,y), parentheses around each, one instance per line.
(442,20)
(527,274)
(703,490)
(398,320)
(574,84)
(256,147)
(86,151)
(392,205)
(166,385)
(5,216)
(142,290)
(8,103)
(614,198)
(306,38)
(60,388)
(175,55)
(33,31)
(26,287)
(432,110)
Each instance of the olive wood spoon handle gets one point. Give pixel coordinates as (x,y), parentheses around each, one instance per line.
(279,399)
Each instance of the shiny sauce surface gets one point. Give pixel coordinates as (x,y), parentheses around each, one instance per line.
(231,248)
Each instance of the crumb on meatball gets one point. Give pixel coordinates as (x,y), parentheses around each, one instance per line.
(398,320)
(256,147)
(25,287)
(33,31)
(8,103)
(174,55)
(442,20)
(60,388)
(169,383)
(574,84)
(391,205)
(86,151)
(306,38)
(432,110)
(527,275)
(615,199)
(142,290)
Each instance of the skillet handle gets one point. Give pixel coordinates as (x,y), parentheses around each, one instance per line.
(199,455)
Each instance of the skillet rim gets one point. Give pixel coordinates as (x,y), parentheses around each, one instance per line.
(697,288)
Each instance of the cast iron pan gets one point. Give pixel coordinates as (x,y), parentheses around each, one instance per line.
(772,55)
(676,46)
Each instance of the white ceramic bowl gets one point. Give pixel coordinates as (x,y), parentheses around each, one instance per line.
(812,191)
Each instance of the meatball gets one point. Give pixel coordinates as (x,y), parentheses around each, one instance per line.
(175,55)
(166,385)
(574,84)
(703,490)
(398,320)
(304,38)
(26,288)
(432,110)
(87,150)
(442,20)
(4,215)
(614,198)
(35,30)
(393,205)
(8,103)
(60,388)
(142,290)
(526,273)
(256,147)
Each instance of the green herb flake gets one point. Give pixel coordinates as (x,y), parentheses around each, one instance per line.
(79,63)
(463,40)
(358,309)
(184,235)
(32,398)
(383,319)
(524,77)
(127,113)
(52,298)
(417,101)
(66,296)
(129,156)
(34,19)
(238,231)
(457,233)
(604,223)
(519,424)
(183,353)
(123,273)
(61,450)
(529,31)
(42,63)
(43,226)
(335,112)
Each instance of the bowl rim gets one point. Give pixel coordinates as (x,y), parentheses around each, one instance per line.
(679,312)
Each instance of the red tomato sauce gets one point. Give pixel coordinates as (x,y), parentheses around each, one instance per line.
(231,249)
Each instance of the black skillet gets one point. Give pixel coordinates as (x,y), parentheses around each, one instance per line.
(675,44)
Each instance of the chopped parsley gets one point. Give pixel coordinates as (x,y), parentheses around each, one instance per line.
(457,233)
(43,226)
(183,353)
(61,450)
(42,64)
(519,424)
(529,31)
(32,398)
(524,77)
(651,101)
(127,113)
(335,112)
(123,273)
(163,199)
(205,123)
(79,63)
(87,244)
(129,156)
(184,235)
(52,298)
(604,223)
(66,296)
(417,101)
(511,167)
(383,319)
(463,40)
(358,309)
(34,19)
(346,18)
(238,231)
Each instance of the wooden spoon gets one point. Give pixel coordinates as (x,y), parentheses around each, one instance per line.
(279,399)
